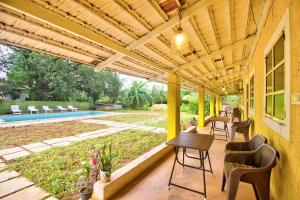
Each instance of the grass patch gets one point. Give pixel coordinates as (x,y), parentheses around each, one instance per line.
(130,118)
(54,170)
(158,124)
(13,136)
(184,117)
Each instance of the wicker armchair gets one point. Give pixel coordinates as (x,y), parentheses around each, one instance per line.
(253,167)
(251,145)
(241,127)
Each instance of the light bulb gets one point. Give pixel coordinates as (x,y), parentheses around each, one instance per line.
(179,42)
(223,88)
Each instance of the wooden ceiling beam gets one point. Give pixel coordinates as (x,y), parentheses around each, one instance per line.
(207,57)
(43,51)
(213,25)
(264,14)
(214,53)
(246,23)
(197,7)
(226,67)
(43,25)
(230,26)
(39,38)
(28,7)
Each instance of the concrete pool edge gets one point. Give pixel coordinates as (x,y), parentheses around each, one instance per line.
(54,120)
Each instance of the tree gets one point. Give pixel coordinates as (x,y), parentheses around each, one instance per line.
(52,78)
(138,95)
(47,77)
(111,85)
(158,95)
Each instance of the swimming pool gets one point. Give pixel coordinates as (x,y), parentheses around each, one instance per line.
(13,118)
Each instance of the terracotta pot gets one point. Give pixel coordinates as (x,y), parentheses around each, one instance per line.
(105,176)
(85,195)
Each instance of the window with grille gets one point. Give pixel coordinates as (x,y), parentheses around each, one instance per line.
(251,95)
(275,83)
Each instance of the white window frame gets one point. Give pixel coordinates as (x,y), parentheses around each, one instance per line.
(252,110)
(282,128)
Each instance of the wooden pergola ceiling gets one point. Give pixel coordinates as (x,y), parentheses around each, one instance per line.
(133,36)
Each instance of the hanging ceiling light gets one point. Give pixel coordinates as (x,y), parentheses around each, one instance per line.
(223,88)
(180,41)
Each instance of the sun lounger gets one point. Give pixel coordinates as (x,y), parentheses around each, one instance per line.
(32,109)
(60,108)
(71,108)
(15,110)
(46,108)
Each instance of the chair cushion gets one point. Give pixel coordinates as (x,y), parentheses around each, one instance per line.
(230,166)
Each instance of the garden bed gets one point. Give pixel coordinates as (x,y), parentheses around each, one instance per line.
(55,170)
(13,136)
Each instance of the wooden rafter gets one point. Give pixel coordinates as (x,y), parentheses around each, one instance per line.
(214,28)
(262,20)
(43,51)
(157,31)
(213,54)
(39,38)
(230,26)
(45,26)
(246,23)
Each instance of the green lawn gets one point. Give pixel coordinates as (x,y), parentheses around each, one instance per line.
(54,170)
(13,136)
(131,118)
(184,117)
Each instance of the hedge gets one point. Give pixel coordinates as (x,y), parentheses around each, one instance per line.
(5,105)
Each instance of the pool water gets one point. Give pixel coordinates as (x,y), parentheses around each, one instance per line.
(26,117)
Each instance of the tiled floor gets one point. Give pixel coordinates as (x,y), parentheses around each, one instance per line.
(153,184)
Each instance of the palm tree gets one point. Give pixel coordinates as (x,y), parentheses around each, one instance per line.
(138,95)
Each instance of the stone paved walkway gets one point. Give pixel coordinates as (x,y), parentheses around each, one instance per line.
(13,186)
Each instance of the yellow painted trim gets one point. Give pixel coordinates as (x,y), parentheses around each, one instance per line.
(173,106)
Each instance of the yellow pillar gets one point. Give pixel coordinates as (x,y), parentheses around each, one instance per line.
(173,106)
(217,104)
(221,103)
(211,104)
(201,102)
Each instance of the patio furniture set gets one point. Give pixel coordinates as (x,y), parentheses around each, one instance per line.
(15,109)
(250,161)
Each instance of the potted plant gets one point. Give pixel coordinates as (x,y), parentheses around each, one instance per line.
(85,182)
(104,162)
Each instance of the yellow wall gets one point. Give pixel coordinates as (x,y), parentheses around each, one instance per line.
(173,106)
(285,180)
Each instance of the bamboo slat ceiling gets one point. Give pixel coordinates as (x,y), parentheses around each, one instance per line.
(133,36)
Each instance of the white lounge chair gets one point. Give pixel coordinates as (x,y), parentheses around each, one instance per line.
(71,108)
(32,109)
(15,110)
(60,108)
(46,108)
